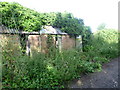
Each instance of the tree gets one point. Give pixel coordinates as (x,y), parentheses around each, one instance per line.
(16,16)
(68,23)
(86,37)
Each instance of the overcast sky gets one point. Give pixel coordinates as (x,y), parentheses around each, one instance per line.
(93,12)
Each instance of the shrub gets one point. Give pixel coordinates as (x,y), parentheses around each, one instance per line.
(42,71)
(54,70)
(105,43)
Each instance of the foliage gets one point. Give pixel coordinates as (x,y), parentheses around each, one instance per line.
(54,70)
(42,71)
(86,37)
(105,43)
(68,23)
(16,16)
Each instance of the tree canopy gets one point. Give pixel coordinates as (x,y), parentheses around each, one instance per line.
(16,16)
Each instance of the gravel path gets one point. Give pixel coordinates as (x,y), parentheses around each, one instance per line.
(107,78)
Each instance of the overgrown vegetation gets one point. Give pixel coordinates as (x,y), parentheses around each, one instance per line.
(51,70)
(54,70)
(16,16)
(42,71)
(105,43)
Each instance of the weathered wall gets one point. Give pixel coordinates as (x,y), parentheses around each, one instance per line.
(67,42)
(10,43)
(40,42)
(37,43)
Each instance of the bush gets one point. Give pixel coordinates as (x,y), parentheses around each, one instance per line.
(43,71)
(54,70)
(104,43)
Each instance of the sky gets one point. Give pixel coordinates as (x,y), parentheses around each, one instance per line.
(93,12)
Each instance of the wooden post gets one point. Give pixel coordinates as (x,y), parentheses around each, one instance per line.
(60,42)
(40,43)
(28,49)
(79,42)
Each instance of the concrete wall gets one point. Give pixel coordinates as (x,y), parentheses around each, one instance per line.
(67,42)
(11,44)
(39,43)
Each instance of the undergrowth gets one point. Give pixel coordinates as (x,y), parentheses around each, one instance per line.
(55,70)
(42,71)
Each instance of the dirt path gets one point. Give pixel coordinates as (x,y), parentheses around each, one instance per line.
(107,78)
